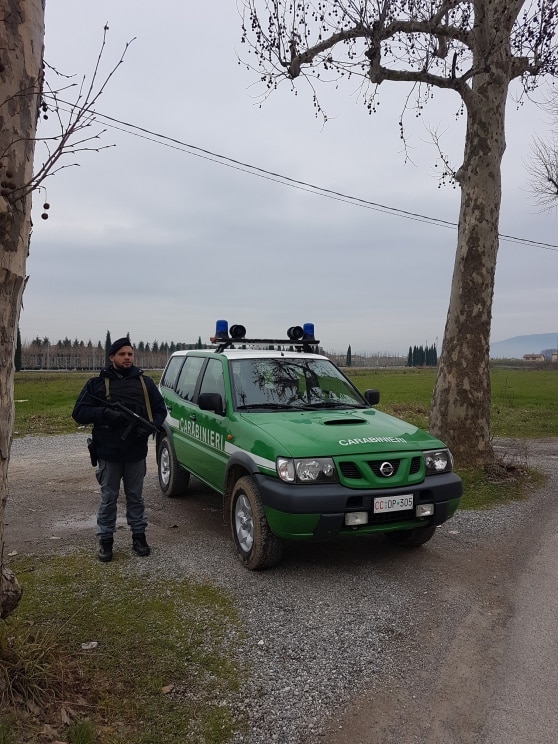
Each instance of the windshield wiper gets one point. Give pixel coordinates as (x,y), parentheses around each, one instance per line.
(270,406)
(330,404)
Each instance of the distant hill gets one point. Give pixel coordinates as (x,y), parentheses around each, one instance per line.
(516,347)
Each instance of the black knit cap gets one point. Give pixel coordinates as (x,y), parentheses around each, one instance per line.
(118,344)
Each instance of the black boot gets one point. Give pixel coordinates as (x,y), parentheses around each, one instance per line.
(139,544)
(105,549)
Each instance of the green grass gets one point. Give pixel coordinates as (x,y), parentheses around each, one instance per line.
(162,669)
(498,484)
(524,402)
(44,401)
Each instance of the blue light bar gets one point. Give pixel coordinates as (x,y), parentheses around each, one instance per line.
(308,333)
(299,336)
(222,330)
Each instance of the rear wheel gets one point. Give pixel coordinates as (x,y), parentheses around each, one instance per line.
(173,480)
(256,545)
(411,538)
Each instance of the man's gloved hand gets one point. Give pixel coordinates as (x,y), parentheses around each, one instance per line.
(142,432)
(114,418)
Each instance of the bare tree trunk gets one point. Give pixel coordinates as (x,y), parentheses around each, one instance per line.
(460,413)
(21,42)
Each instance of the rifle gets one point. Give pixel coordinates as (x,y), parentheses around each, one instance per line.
(133,418)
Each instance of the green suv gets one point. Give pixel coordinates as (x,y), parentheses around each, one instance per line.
(297,452)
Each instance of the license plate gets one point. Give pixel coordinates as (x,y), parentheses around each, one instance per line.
(385,504)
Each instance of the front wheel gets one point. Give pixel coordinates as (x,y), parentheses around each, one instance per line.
(411,538)
(256,545)
(173,480)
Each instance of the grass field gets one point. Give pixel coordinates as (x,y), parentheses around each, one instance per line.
(524,402)
(160,670)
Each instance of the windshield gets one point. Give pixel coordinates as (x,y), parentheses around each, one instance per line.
(291,383)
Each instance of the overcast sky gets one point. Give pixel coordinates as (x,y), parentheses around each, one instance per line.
(159,242)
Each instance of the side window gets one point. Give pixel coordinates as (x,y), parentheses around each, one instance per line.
(213,378)
(188,377)
(171,372)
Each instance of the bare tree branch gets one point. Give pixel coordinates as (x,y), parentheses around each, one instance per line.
(543,174)
(73,119)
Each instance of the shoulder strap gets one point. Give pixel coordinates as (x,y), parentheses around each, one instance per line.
(147,401)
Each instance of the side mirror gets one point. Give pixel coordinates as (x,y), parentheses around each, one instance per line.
(211,402)
(372,397)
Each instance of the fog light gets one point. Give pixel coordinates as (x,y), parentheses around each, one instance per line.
(425,510)
(355,518)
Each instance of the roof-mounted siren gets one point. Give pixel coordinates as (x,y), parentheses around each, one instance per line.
(225,336)
(295,333)
(237,332)
(304,334)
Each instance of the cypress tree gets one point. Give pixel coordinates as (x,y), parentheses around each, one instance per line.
(17,357)
(108,344)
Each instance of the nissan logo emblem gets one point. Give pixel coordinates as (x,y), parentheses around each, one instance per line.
(387,469)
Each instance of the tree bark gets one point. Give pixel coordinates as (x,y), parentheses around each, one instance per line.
(460,412)
(21,57)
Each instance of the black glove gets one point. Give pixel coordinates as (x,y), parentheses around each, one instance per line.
(142,432)
(114,418)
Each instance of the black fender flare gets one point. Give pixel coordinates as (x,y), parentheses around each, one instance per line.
(239,464)
(164,431)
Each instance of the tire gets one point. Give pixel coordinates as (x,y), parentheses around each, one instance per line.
(256,545)
(173,480)
(411,538)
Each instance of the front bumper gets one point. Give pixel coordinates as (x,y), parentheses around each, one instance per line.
(317,512)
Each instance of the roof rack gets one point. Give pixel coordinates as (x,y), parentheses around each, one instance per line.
(299,337)
(231,343)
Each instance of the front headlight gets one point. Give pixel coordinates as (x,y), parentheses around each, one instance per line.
(306,470)
(438,461)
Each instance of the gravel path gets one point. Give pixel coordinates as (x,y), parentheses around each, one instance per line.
(340,639)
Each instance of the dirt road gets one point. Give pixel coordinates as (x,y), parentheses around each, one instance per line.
(485,667)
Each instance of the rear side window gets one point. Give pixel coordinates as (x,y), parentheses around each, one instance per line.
(171,372)
(213,381)
(188,377)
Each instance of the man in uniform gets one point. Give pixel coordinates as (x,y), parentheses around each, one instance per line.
(120,441)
